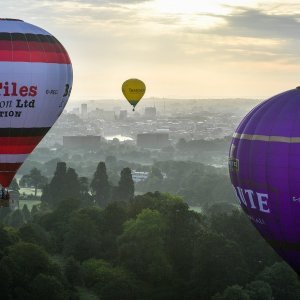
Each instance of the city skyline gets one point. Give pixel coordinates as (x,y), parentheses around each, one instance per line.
(218,49)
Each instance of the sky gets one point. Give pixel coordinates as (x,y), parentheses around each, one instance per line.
(180,49)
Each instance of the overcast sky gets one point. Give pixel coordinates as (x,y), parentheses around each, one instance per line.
(180,49)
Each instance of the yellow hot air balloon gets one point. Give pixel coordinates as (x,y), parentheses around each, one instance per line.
(133,90)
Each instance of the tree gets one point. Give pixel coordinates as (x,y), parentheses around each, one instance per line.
(83,185)
(26,213)
(34,233)
(72,184)
(109,282)
(64,184)
(83,239)
(35,179)
(73,272)
(256,252)
(25,261)
(125,189)
(218,263)
(8,237)
(86,198)
(16,218)
(282,279)
(14,185)
(154,182)
(141,247)
(259,290)
(34,210)
(234,292)
(100,185)
(56,189)
(6,281)
(46,287)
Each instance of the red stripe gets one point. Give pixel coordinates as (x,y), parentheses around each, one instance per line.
(18,145)
(7,172)
(9,167)
(20,51)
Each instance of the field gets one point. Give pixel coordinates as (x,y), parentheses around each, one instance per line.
(30,191)
(29,203)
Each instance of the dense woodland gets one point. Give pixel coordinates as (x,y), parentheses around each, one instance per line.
(92,239)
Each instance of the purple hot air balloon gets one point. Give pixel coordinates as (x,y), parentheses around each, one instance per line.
(264,166)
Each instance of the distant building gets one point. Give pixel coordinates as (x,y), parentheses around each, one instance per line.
(139,176)
(75,111)
(83,109)
(117,109)
(155,140)
(108,115)
(84,142)
(150,112)
(123,115)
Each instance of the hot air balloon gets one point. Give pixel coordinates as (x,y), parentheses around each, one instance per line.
(264,167)
(35,84)
(133,90)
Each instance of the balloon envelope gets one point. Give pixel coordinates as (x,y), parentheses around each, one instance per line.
(264,164)
(133,90)
(35,84)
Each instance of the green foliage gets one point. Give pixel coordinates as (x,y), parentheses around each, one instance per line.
(8,237)
(56,222)
(237,227)
(35,179)
(198,184)
(83,239)
(47,287)
(234,292)
(146,247)
(6,280)
(15,218)
(14,185)
(34,233)
(64,184)
(29,261)
(26,213)
(23,263)
(142,248)
(100,185)
(73,272)
(218,263)
(259,290)
(34,210)
(125,189)
(283,281)
(109,282)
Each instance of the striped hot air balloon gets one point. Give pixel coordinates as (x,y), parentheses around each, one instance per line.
(35,84)
(264,164)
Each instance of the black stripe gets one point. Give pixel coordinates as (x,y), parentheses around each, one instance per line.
(9,19)
(30,37)
(20,132)
(284,245)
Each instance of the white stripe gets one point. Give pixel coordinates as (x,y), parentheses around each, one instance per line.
(12,158)
(266,138)
(50,79)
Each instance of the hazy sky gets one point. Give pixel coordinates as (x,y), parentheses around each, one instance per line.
(179,48)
